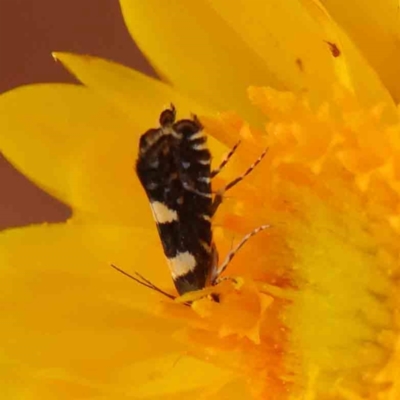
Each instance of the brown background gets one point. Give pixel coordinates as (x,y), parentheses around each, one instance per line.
(29,32)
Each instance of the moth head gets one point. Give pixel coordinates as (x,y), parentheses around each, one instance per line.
(167,117)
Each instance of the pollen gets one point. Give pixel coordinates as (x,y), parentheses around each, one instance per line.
(309,308)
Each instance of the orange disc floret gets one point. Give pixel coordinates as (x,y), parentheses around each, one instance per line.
(310,311)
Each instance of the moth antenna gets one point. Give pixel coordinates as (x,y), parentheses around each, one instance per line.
(141,277)
(233,252)
(144,282)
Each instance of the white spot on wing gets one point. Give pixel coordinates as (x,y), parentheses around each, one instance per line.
(155,164)
(162,213)
(151,186)
(197,135)
(181,264)
(201,146)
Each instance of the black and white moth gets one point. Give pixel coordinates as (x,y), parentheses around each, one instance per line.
(174,168)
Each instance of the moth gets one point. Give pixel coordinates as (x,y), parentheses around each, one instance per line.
(174,168)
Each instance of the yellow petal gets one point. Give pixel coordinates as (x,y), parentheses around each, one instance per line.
(304,47)
(68,318)
(65,134)
(374,28)
(167,376)
(140,97)
(194,48)
(132,249)
(93,339)
(45,128)
(84,252)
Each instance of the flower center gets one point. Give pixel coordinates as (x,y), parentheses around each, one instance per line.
(311,313)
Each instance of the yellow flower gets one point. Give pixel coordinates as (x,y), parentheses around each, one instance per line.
(313,311)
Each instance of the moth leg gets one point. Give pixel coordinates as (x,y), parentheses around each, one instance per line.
(233,252)
(225,160)
(219,196)
(144,282)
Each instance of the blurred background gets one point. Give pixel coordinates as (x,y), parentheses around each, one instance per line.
(29,32)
